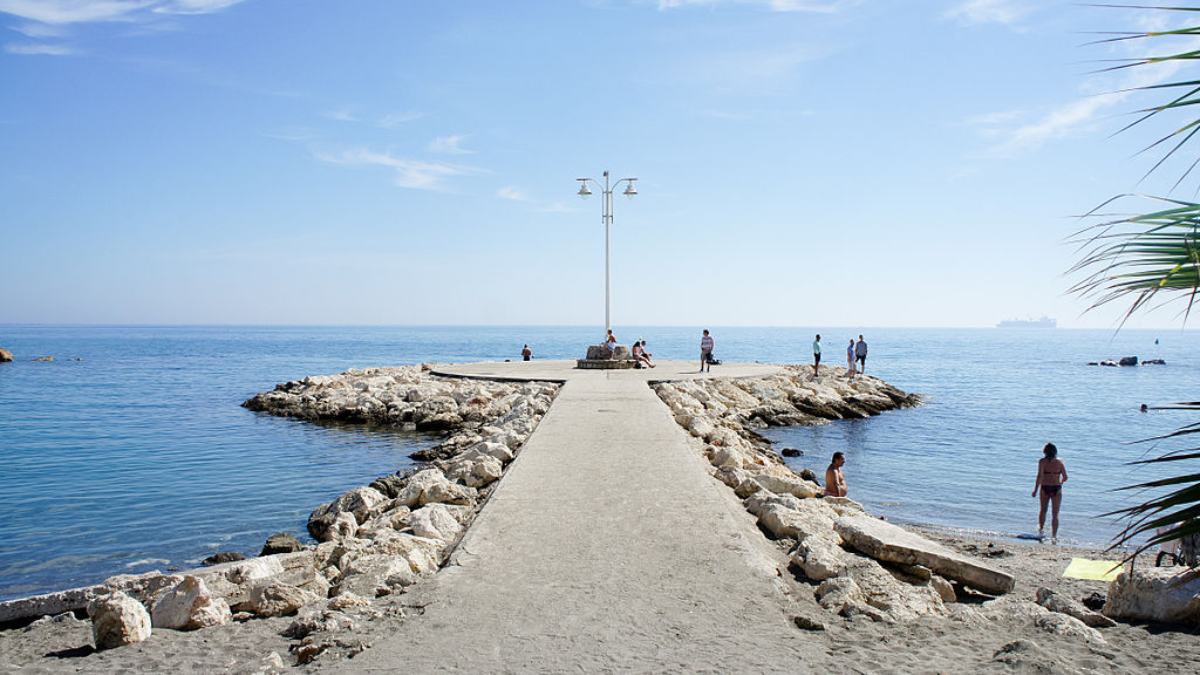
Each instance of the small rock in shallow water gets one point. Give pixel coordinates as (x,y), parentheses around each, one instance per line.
(222,557)
(791,452)
(281,542)
(5,355)
(45,359)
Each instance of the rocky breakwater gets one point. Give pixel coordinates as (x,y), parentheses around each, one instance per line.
(857,565)
(372,541)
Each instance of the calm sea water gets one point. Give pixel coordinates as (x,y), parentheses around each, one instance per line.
(137,456)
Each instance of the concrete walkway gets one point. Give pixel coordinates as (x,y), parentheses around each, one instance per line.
(607,546)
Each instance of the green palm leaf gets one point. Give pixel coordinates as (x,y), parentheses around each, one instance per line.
(1150,260)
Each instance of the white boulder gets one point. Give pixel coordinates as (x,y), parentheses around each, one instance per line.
(190,606)
(431,486)
(278,599)
(1165,594)
(118,620)
(435,521)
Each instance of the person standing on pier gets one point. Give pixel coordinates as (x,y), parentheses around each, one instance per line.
(706,349)
(835,480)
(860,352)
(816,354)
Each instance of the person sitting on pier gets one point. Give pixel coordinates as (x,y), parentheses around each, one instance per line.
(641,355)
(611,343)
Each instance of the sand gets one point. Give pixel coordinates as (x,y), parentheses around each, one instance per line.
(968,641)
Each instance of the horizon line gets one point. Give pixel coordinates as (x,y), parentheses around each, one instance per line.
(566,325)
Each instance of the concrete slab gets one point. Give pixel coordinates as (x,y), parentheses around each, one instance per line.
(890,543)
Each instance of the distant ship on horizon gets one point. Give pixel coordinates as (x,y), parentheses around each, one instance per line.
(1044,322)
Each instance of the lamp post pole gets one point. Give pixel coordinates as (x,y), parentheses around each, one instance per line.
(606,214)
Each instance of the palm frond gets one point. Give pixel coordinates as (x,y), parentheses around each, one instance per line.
(1148,258)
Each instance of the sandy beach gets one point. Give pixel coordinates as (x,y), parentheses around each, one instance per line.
(981,636)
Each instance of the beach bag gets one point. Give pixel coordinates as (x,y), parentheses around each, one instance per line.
(713,360)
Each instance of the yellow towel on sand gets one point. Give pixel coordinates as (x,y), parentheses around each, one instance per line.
(1094,570)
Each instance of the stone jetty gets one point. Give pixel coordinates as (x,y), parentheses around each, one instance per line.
(373,540)
(594,519)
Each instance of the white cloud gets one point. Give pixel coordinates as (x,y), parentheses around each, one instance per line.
(342,114)
(449,145)
(396,119)
(749,70)
(194,6)
(994,119)
(32,49)
(974,12)
(409,173)
(1074,117)
(512,194)
(47,18)
(819,6)
(84,11)
(39,30)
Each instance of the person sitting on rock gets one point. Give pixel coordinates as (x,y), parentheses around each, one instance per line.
(641,355)
(835,480)
(611,343)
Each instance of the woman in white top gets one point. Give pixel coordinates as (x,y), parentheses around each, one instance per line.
(850,359)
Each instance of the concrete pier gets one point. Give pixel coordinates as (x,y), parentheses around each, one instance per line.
(607,546)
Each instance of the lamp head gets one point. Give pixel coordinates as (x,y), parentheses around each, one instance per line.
(631,189)
(584,192)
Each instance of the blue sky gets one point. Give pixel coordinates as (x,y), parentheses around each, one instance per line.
(801,162)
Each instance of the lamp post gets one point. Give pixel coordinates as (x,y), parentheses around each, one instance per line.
(607,216)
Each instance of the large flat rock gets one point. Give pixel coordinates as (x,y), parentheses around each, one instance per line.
(886,542)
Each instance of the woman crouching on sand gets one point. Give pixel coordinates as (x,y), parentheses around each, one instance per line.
(835,481)
(1052,473)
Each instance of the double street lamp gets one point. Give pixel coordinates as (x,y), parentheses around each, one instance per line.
(607,211)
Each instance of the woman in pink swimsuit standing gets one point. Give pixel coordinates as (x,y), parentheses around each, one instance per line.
(1052,473)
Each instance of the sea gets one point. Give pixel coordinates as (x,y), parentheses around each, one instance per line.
(130,451)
